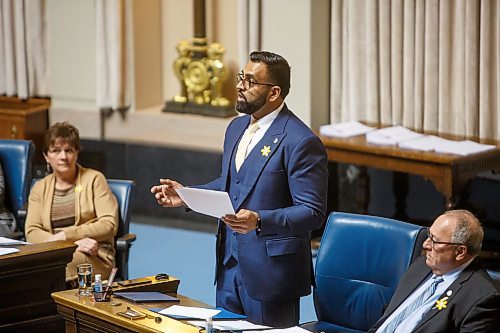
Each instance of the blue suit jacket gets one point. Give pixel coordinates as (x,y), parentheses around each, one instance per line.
(288,189)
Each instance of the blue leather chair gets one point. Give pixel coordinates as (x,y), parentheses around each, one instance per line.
(17,157)
(360,261)
(122,189)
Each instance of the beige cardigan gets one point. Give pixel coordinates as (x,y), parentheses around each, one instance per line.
(96,217)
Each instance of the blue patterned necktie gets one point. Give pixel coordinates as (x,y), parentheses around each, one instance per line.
(410,308)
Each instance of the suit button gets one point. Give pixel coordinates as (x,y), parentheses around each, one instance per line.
(235,197)
(237,180)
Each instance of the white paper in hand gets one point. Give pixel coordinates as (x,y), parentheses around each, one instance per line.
(208,202)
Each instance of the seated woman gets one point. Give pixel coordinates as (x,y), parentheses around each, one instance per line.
(73,203)
(7,219)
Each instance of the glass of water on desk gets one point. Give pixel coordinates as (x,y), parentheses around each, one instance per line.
(84,272)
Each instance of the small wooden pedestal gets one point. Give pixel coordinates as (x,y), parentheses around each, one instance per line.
(24,119)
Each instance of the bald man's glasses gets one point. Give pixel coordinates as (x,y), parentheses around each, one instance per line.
(433,241)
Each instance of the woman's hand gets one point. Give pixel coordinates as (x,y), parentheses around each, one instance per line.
(88,246)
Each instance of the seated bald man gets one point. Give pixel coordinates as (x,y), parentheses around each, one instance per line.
(446,290)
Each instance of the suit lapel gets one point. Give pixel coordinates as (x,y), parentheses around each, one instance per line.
(264,150)
(451,291)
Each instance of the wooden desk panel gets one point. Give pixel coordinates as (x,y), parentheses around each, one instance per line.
(448,173)
(81,314)
(28,277)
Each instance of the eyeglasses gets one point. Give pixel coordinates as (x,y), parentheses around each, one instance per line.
(247,83)
(434,242)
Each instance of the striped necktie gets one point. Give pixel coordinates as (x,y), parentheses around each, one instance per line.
(241,153)
(410,308)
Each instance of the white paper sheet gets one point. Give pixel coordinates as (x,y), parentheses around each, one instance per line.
(230,325)
(423,143)
(189,311)
(212,203)
(9,241)
(345,129)
(8,250)
(295,329)
(463,148)
(391,135)
(445,146)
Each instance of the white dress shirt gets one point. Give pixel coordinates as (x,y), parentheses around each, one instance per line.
(264,124)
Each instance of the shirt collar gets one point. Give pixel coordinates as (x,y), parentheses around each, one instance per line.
(453,274)
(266,121)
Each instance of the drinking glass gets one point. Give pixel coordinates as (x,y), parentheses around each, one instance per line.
(84,272)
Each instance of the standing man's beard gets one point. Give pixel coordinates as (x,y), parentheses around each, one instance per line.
(251,107)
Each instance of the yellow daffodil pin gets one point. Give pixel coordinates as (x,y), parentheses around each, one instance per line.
(78,188)
(441,303)
(266,150)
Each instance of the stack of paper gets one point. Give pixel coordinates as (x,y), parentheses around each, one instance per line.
(423,143)
(4,241)
(244,326)
(4,250)
(189,312)
(344,130)
(295,329)
(230,325)
(444,146)
(391,135)
(463,148)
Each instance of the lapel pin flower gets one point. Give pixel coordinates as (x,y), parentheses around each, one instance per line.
(78,188)
(441,303)
(265,151)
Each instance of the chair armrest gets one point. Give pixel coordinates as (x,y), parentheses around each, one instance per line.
(22,212)
(21,218)
(124,242)
(18,235)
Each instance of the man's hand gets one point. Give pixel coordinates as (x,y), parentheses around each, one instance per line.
(166,194)
(88,246)
(243,222)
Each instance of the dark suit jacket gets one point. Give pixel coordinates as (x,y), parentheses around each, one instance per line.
(288,189)
(474,305)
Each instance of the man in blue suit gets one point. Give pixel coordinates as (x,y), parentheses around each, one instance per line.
(275,171)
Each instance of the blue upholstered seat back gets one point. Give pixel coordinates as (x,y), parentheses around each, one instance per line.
(359,264)
(16,157)
(122,190)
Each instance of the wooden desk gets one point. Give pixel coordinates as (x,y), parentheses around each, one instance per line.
(82,314)
(27,278)
(448,173)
